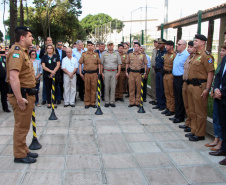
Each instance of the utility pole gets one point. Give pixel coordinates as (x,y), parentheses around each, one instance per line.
(166,17)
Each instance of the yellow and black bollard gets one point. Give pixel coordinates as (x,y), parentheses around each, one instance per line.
(35,145)
(53,115)
(98,111)
(141,109)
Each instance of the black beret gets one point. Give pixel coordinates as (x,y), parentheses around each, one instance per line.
(190,43)
(119,45)
(89,42)
(24,28)
(169,42)
(201,37)
(136,43)
(161,41)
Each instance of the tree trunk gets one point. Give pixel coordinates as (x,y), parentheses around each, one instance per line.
(13,19)
(21,13)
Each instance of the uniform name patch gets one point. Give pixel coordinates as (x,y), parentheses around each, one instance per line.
(16,55)
(94,55)
(210,60)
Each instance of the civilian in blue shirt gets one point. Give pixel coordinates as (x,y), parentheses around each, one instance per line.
(77,53)
(160,94)
(178,71)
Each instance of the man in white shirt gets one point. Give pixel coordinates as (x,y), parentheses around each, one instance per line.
(69,66)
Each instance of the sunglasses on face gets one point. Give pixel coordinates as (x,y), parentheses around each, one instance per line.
(60,44)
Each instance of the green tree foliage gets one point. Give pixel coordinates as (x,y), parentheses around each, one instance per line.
(98,27)
(1,36)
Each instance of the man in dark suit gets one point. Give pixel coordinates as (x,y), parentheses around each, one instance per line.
(100,51)
(220,94)
(62,54)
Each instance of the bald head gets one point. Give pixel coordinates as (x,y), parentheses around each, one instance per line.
(181,45)
(69,52)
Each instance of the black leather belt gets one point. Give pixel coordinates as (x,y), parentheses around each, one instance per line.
(195,82)
(168,72)
(95,71)
(123,69)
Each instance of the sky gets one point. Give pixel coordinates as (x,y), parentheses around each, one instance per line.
(121,9)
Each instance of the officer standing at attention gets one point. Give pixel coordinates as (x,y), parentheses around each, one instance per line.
(111,63)
(21,77)
(136,64)
(200,77)
(121,78)
(168,78)
(161,100)
(91,68)
(153,87)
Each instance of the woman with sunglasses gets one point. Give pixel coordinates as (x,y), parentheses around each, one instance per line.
(50,65)
(38,72)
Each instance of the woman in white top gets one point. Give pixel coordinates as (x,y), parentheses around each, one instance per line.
(38,72)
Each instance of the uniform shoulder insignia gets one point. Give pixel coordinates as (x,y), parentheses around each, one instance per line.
(17,48)
(207,52)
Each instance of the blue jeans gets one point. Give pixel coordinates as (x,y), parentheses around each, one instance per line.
(216,123)
(160,94)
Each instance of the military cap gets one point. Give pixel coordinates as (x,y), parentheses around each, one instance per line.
(191,43)
(109,42)
(169,42)
(136,43)
(24,28)
(89,42)
(156,39)
(119,45)
(161,41)
(201,37)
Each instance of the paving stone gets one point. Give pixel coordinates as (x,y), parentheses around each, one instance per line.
(48,163)
(81,130)
(105,123)
(58,123)
(113,147)
(102,138)
(214,159)
(52,139)
(40,178)
(56,130)
(125,177)
(173,145)
(8,150)
(152,160)
(10,178)
(149,121)
(6,130)
(83,178)
(142,116)
(7,163)
(83,163)
(81,117)
(118,161)
(73,139)
(82,148)
(138,137)
(4,139)
(108,130)
(187,158)
(104,116)
(203,174)
(157,128)
(144,147)
(133,129)
(129,122)
(81,123)
(124,116)
(52,150)
(164,176)
(165,136)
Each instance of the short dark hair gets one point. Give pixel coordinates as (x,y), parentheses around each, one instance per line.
(224,47)
(19,33)
(32,52)
(225,32)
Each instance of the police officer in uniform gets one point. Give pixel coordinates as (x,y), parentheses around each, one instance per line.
(91,68)
(21,77)
(121,78)
(3,84)
(168,78)
(200,77)
(191,50)
(161,100)
(136,64)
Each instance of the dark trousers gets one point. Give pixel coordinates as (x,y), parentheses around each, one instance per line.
(61,83)
(160,94)
(4,90)
(36,96)
(145,81)
(80,84)
(102,86)
(222,119)
(48,83)
(179,103)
